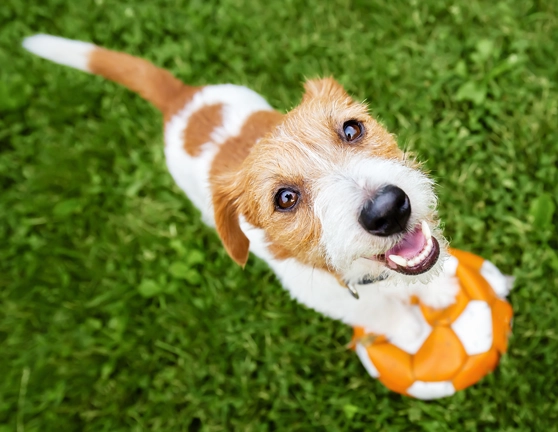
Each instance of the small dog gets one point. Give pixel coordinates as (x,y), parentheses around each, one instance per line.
(323,194)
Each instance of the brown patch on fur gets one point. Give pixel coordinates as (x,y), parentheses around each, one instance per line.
(200,126)
(156,85)
(270,167)
(224,182)
(278,251)
(233,151)
(293,234)
(324,88)
(300,241)
(327,98)
(226,222)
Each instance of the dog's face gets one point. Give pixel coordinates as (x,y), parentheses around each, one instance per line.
(330,188)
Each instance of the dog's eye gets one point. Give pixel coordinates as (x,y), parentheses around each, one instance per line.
(352,130)
(286,199)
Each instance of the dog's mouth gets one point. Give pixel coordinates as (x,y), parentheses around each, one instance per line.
(416,253)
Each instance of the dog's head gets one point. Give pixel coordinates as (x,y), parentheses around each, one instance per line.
(330,188)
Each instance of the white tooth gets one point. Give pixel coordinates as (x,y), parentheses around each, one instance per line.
(426,231)
(428,248)
(429,243)
(399,260)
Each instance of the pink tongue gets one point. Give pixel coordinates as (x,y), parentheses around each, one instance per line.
(410,246)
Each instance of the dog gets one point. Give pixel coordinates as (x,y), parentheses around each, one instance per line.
(323,194)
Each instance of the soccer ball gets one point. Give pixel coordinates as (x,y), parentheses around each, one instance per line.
(458,346)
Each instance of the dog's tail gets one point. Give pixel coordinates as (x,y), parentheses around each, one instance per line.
(156,85)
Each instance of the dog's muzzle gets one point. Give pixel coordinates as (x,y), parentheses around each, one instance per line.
(387,213)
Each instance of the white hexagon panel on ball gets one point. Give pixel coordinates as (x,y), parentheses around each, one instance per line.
(431,390)
(474,327)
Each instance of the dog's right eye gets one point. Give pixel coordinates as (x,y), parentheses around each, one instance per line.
(352,130)
(286,199)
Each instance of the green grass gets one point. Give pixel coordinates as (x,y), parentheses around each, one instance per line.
(120,311)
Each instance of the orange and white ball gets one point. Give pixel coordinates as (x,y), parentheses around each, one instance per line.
(458,345)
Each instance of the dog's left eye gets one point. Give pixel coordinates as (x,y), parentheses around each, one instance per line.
(286,199)
(352,130)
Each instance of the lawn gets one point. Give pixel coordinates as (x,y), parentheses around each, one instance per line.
(119,309)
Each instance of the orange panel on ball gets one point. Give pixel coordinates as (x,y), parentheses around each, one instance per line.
(444,317)
(475,368)
(394,366)
(358,332)
(474,284)
(360,336)
(440,357)
(467,258)
(502,315)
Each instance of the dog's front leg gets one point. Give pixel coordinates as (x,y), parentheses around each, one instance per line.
(440,292)
(376,310)
(387,315)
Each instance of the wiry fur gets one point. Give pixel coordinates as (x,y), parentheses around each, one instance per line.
(231,153)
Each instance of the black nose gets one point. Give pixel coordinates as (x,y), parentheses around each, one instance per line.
(387,212)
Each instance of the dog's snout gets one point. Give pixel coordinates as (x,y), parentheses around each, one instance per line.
(387,212)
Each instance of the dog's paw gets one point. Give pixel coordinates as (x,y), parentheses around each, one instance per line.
(510,281)
(410,331)
(500,283)
(440,293)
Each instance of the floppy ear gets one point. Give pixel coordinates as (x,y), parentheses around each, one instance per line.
(324,88)
(228,226)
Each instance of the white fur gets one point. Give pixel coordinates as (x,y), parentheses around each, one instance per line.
(341,194)
(381,308)
(64,51)
(420,332)
(440,292)
(191,174)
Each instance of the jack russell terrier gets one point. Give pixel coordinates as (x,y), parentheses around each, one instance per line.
(323,194)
